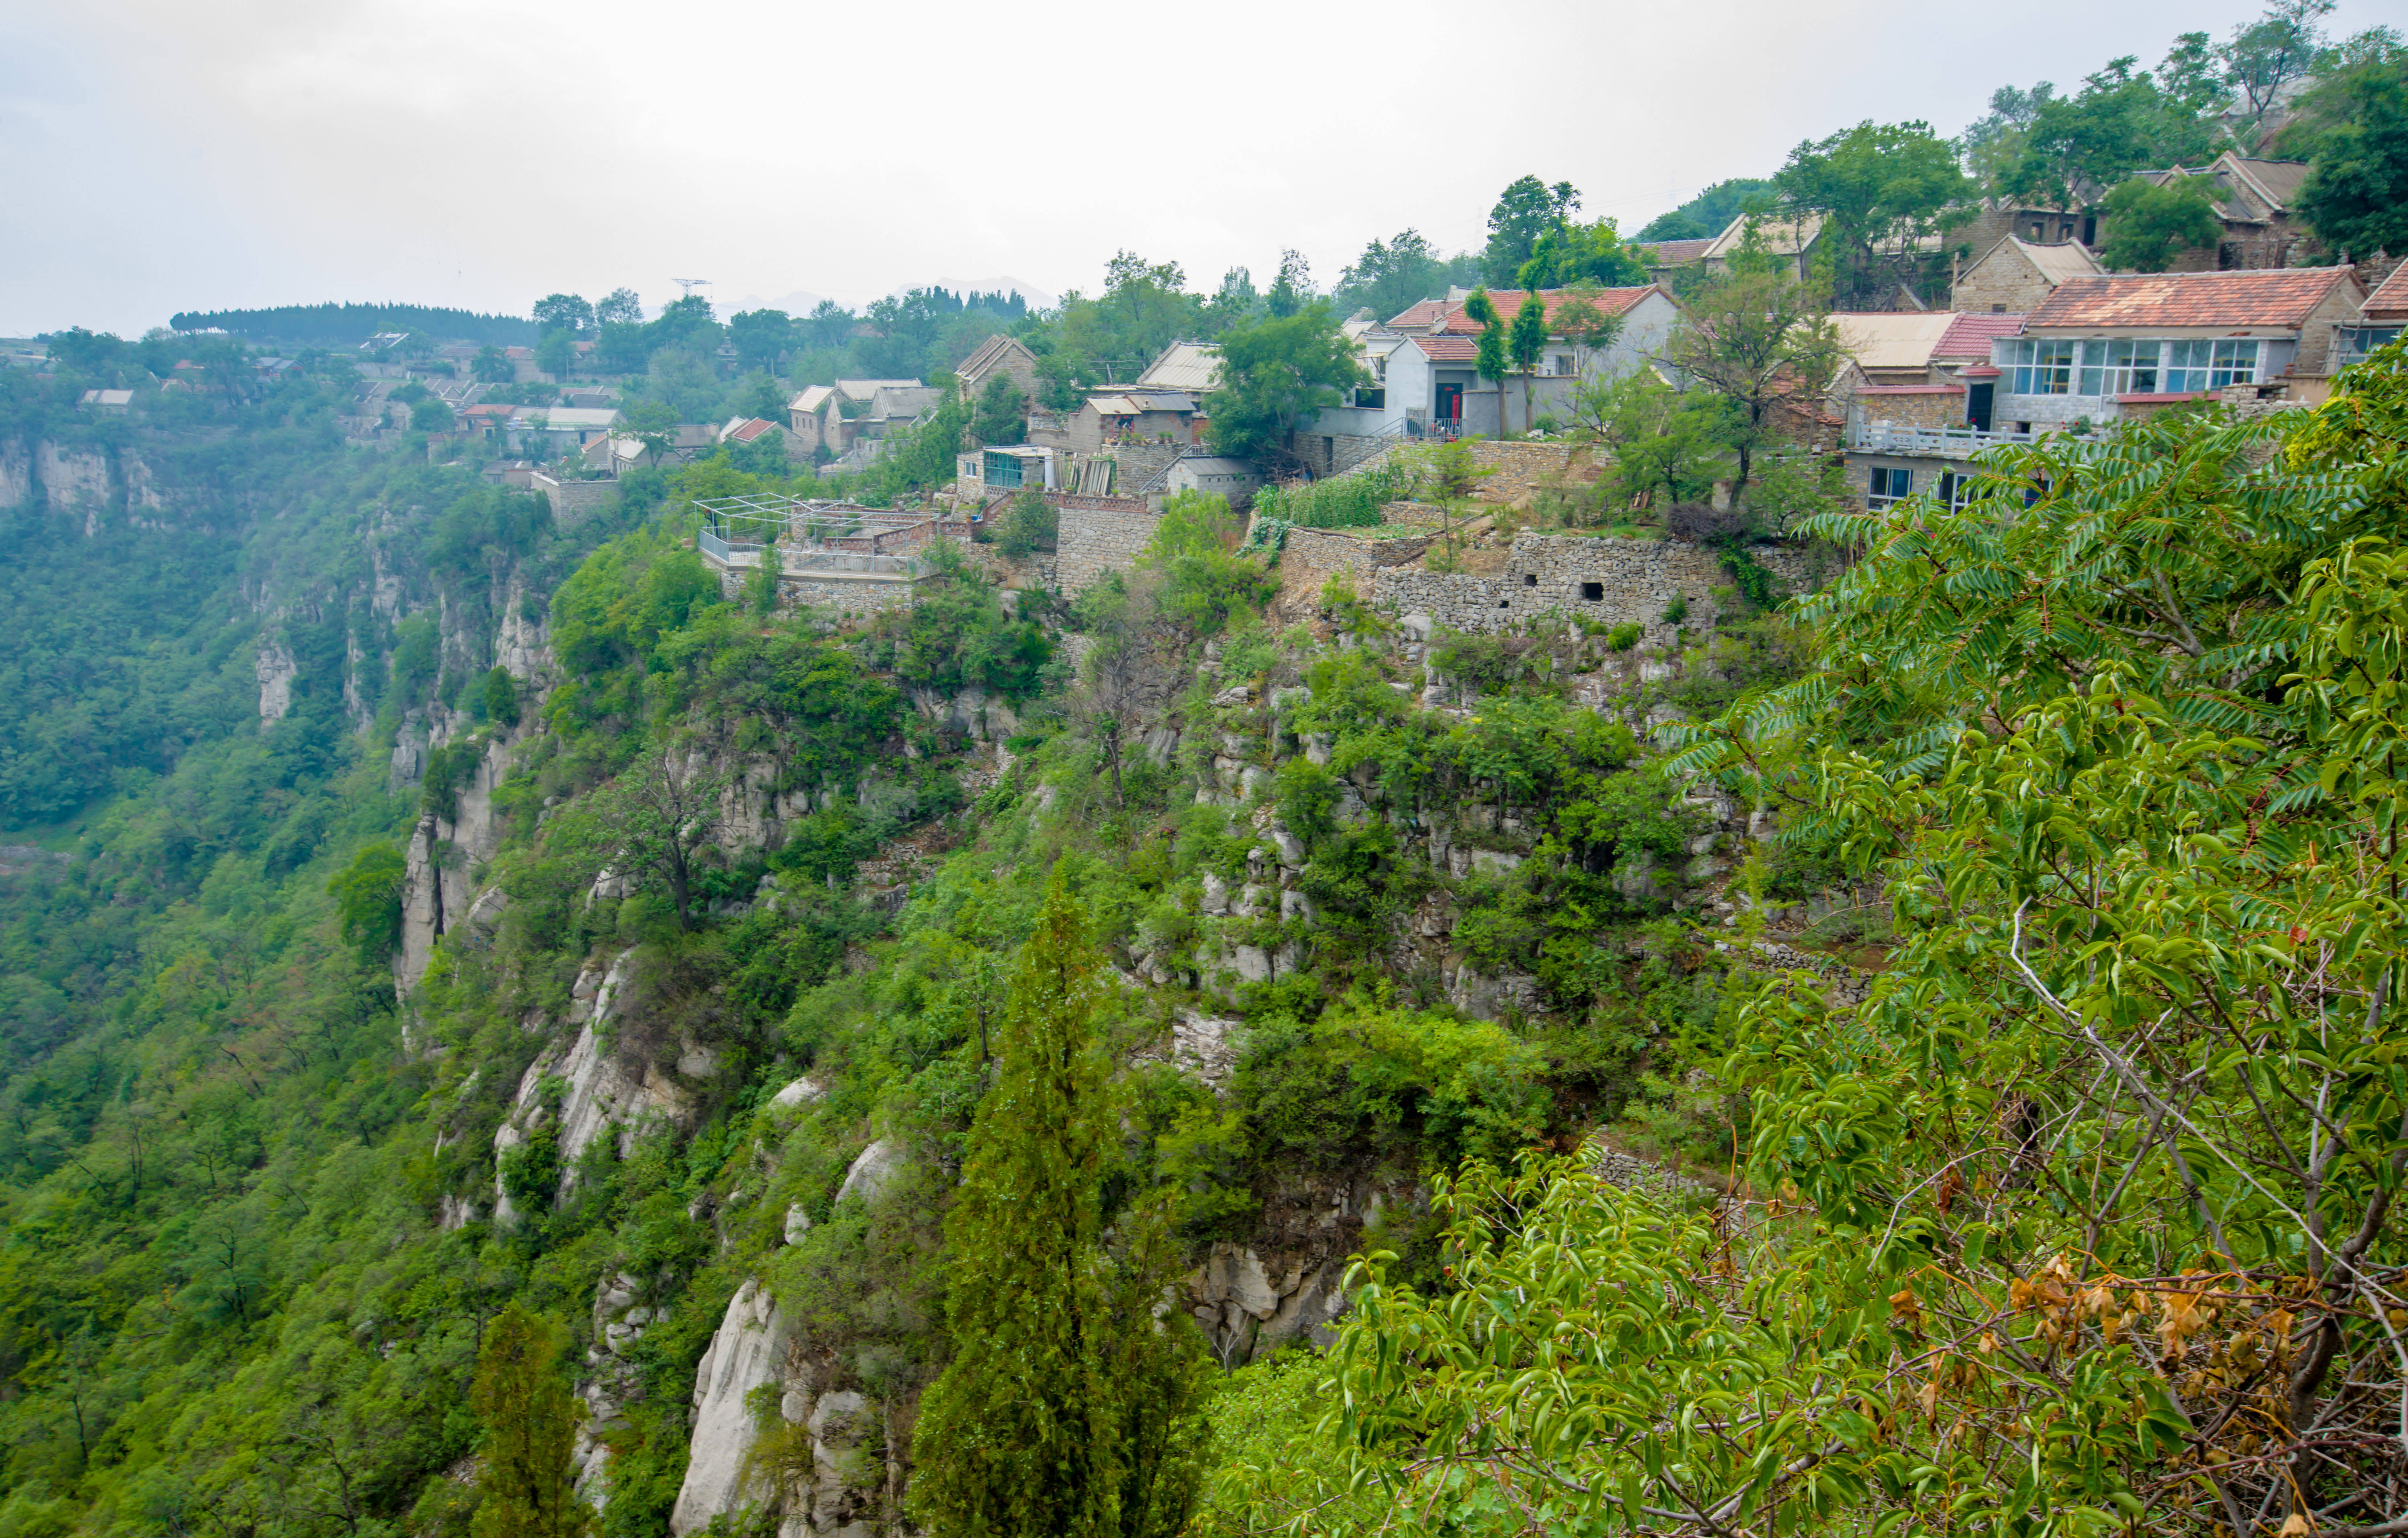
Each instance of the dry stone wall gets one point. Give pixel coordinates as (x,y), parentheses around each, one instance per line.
(1094,540)
(1609,581)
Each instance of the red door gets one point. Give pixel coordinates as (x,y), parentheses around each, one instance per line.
(1450,403)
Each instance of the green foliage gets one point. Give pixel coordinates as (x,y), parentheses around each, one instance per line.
(1710,211)
(1206,582)
(1622,637)
(1392,275)
(1571,253)
(1064,1410)
(2148,222)
(2358,187)
(956,634)
(367,897)
(348,325)
(1880,188)
(430,416)
(1756,339)
(1275,373)
(1029,524)
(1345,501)
(2120,123)
(1527,212)
(1002,416)
(530,1419)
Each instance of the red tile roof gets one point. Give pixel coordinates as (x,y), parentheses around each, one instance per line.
(751,428)
(1449,349)
(2269,296)
(2389,302)
(1972,334)
(1420,314)
(1609,301)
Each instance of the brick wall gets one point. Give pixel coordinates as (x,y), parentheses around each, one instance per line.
(2003,280)
(1609,581)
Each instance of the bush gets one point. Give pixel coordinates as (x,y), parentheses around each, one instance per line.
(1622,637)
(1678,610)
(1029,526)
(1344,501)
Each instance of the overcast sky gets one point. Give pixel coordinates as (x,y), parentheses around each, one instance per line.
(162,155)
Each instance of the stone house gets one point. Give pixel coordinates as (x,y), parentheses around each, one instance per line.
(2014,275)
(998,357)
(2377,324)
(2254,200)
(558,428)
(2125,346)
(833,416)
(1215,475)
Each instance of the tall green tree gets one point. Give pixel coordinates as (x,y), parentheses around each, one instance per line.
(2121,122)
(759,335)
(1581,254)
(1392,275)
(1495,357)
(1526,343)
(1761,340)
(367,901)
(522,1399)
(2357,191)
(2147,222)
(1048,1421)
(1880,189)
(1275,374)
(1525,211)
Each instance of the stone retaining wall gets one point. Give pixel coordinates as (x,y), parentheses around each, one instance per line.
(1521,468)
(1095,540)
(573,501)
(1609,581)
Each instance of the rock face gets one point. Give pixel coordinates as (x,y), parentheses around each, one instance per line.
(602,1091)
(1249,1305)
(757,1347)
(749,1350)
(442,854)
(876,1169)
(275,669)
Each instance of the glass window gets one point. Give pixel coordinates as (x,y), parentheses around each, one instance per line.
(2236,363)
(2043,367)
(1002,470)
(1889,485)
(2357,341)
(2124,368)
(2189,366)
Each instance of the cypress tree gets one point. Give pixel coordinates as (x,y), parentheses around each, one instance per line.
(1065,1409)
(530,1421)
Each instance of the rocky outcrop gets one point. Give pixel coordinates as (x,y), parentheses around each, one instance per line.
(1249,1305)
(844,1491)
(749,1350)
(443,856)
(276,671)
(600,1091)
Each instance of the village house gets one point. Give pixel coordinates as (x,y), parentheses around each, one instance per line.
(2254,200)
(988,474)
(834,416)
(2115,347)
(1666,258)
(1919,411)
(2014,275)
(752,429)
(115,403)
(552,430)
(2377,324)
(998,357)
(1164,406)
(1427,380)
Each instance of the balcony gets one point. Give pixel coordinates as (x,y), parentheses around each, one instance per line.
(1931,442)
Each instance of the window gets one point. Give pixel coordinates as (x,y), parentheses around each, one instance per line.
(1559,363)
(1593,592)
(1889,485)
(2209,365)
(1530,578)
(2042,367)
(2119,368)
(1002,470)
(1954,489)
(2357,341)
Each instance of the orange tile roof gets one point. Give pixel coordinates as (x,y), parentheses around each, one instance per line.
(2389,302)
(2269,296)
(1609,301)
(1420,314)
(1972,335)
(1448,348)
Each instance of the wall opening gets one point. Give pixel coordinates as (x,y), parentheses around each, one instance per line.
(1530,580)
(1593,592)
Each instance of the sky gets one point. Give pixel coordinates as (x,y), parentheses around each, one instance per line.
(158,155)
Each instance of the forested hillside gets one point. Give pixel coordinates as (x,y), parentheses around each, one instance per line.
(506,1033)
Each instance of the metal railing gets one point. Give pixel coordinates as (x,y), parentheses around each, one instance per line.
(1942,442)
